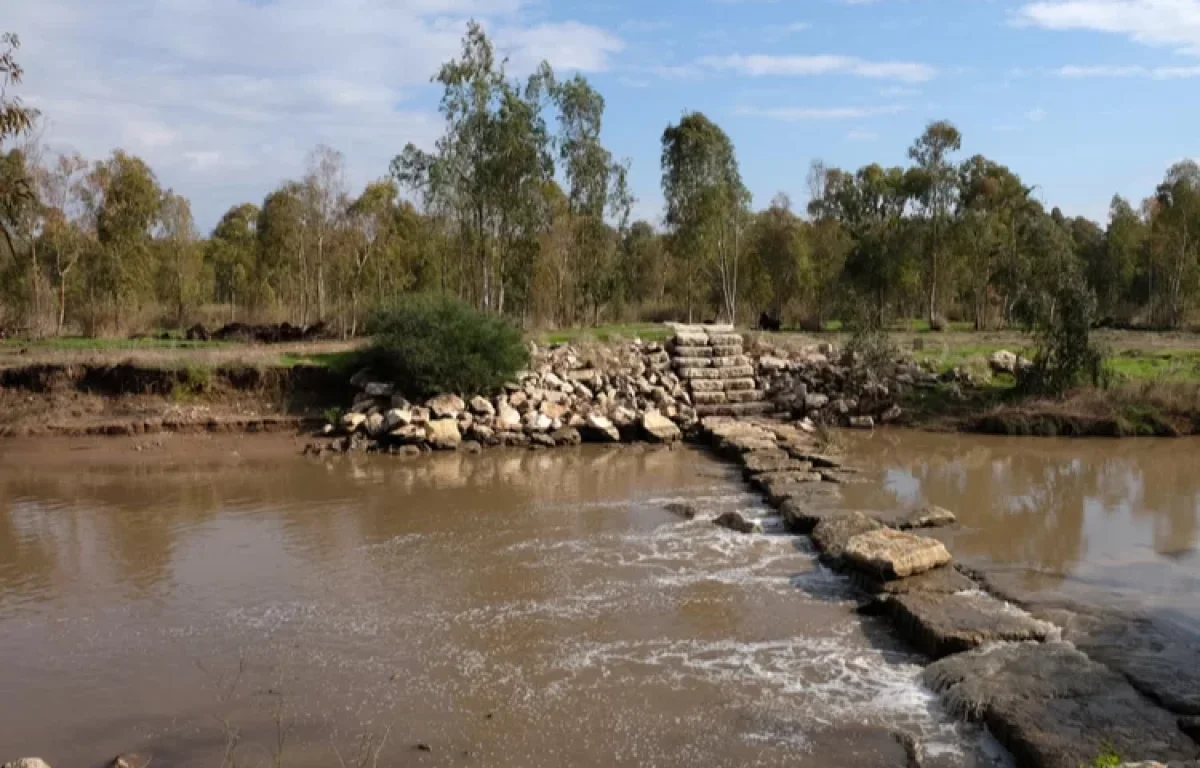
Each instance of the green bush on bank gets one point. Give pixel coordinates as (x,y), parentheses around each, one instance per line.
(433,344)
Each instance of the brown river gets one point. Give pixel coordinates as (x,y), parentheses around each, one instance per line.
(225,601)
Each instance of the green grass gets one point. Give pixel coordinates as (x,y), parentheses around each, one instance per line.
(643,331)
(79,343)
(1171,366)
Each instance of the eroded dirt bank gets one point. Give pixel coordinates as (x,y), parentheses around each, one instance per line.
(127,398)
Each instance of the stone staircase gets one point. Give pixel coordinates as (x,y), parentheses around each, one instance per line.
(719,377)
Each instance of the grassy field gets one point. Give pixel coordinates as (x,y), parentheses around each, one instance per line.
(1135,357)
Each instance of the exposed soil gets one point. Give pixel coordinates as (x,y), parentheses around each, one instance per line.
(128,399)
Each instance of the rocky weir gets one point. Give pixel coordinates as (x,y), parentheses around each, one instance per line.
(1043,697)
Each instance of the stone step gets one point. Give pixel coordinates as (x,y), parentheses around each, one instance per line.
(728,350)
(742,372)
(709,385)
(708,398)
(734,409)
(693,352)
(737,385)
(733,361)
(745,396)
(690,339)
(724,339)
(692,362)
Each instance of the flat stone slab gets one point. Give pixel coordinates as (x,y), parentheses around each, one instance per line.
(772,460)
(940,624)
(1160,660)
(1052,707)
(835,531)
(806,506)
(890,554)
(778,487)
(908,519)
(946,580)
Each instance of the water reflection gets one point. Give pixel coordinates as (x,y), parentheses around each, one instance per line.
(1124,512)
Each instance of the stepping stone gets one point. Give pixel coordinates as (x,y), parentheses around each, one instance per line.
(889,554)
(781,486)
(946,580)
(805,507)
(833,533)
(940,625)
(907,519)
(772,460)
(1052,707)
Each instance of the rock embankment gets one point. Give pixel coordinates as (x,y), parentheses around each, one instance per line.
(1050,704)
(609,395)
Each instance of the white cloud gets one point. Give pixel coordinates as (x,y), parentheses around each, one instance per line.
(804,114)
(1154,73)
(224,98)
(1168,23)
(760,65)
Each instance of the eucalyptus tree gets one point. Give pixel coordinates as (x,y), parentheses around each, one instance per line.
(489,166)
(324,196)
(281,274)
(1125,242)
(180,258)
(706,205)
(779,244)
(870,204)
(231,255)
(934,185)
(596,186)
(65,228)
(992,203)
(15,117)
(828,241)
(123,196)
(1175,246)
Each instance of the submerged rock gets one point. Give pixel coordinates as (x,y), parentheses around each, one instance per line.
(601,429)
(1052,707)
(686,511)
(940,624)
(735,521)
(891,554)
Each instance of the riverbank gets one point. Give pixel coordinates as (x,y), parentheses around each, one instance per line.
(937,382)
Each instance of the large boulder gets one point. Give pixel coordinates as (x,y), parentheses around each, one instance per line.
(27,762)
(507,418)
(446,406)
(352,422)
(890,554)
(601,429)
(659,429)
(397,417)
(1002,361)
(1053,707)
(482,407)
(443,434)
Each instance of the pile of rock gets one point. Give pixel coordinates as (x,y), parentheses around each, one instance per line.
(614,394)
(818,383)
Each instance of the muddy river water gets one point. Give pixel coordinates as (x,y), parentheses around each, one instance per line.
(226,601)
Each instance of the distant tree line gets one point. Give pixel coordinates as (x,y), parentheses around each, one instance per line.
(520,210)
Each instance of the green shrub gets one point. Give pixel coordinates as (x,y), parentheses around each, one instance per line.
(432,344)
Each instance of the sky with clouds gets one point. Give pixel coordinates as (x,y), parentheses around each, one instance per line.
(225,98)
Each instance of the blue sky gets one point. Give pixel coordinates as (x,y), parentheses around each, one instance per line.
(1085,98)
